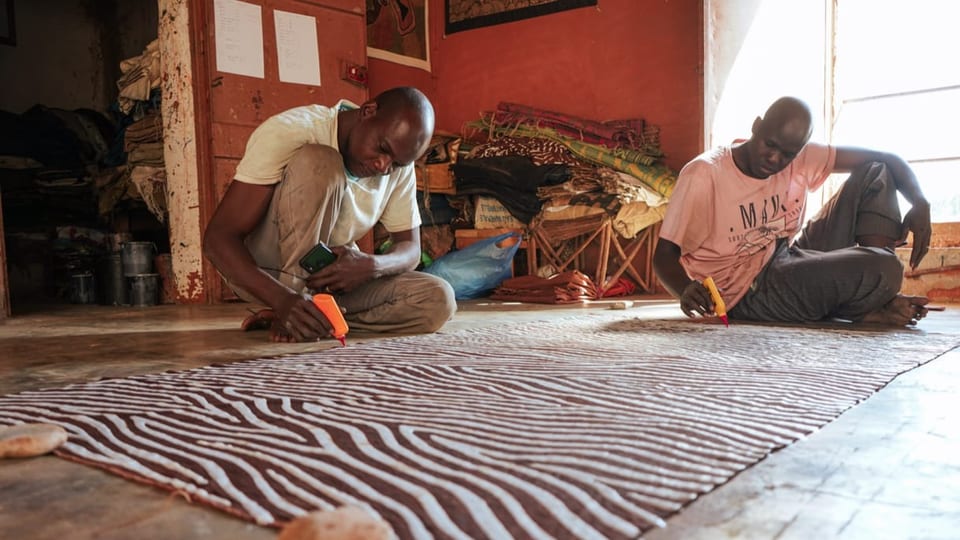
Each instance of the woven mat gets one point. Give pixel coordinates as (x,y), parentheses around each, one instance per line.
(598,426)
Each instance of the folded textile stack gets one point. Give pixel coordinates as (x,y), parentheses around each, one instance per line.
(613,166)
(630,146)
(143,142)
(563,288)
(513,180)
(140,75)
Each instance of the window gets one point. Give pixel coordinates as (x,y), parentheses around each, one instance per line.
(880,74)
(897,88)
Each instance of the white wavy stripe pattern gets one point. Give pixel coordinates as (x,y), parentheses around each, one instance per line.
(598,426)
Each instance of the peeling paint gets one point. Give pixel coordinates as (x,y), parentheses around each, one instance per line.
(180,151)
(194,289)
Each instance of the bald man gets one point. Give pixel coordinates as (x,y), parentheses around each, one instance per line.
(329,174)
(737,210)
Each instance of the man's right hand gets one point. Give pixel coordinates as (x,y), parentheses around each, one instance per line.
(300,320)
(693,296)
(696,299)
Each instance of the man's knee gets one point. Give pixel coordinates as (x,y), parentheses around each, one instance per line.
(311,156)
(439,303)
(888,268)
(878,219)
(314,167)
(872,173)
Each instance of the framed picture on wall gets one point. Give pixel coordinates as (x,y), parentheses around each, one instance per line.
(398,31)
(8,34)
(469,14)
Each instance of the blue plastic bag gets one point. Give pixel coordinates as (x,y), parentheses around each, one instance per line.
(479,268)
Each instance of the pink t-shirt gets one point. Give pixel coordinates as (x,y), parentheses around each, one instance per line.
(727,223)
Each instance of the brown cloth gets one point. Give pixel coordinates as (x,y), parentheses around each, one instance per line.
(564,288)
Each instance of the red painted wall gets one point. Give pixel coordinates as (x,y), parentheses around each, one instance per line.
(623,59)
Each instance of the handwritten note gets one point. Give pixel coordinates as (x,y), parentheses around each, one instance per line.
(298,55)
(239,37)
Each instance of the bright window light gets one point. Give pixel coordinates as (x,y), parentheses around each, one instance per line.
(898,89)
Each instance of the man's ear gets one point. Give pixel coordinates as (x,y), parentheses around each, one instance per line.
(756,125)
(368,109)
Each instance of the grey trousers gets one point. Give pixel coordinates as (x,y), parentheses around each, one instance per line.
(825,274)
(303,211)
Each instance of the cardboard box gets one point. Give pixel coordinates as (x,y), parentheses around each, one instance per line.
(492,214)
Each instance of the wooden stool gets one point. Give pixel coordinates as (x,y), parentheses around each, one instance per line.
(578,234)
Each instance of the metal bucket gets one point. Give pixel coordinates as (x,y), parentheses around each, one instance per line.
(113,285)
(137,257)
(144,289)
(83,289)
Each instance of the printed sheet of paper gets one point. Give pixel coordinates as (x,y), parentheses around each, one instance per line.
(239,42)
(298,55)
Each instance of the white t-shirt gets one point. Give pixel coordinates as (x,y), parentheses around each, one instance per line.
(390,199)
(727,223)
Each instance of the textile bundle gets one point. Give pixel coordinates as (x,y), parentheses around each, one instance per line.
(141,74)
(563,288)
(612,165)
(630,146)
(143,142)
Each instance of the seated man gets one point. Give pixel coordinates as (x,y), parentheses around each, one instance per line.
(317,173)
(736,209)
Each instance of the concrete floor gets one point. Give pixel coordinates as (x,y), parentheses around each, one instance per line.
(888,468)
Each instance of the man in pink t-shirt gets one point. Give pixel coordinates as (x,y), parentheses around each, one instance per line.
(736,210)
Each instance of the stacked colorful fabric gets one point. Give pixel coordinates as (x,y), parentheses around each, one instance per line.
(614,166)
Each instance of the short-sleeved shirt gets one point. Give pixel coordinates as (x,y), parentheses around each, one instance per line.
(389,199)
(727,223)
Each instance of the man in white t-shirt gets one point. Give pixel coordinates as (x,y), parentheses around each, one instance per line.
(736,210)
(329,174)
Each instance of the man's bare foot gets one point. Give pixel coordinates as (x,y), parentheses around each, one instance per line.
(901,311)
(258,320)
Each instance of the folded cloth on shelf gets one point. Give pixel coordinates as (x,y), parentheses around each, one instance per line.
(147,129)
(513,180)
(563,288)
(632,190)
(151,183)
(637,216)
(140,75)
(637,164)
(540,151)
(630,133)
(146,154)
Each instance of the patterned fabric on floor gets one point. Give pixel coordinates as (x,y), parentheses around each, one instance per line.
(596,426)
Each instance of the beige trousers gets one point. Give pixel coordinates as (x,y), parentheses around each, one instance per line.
(303,211)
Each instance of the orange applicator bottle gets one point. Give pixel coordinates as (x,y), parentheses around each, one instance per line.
(718,306)
(328,306)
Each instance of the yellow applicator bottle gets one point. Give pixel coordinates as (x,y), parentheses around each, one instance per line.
(328,306)
(718,306)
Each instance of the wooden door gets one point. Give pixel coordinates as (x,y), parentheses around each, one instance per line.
(230,106)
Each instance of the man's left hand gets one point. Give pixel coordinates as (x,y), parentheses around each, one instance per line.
(351,269)
(917,221)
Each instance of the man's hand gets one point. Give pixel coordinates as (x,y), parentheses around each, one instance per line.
(917,221)
(696,299)
(351,269)
(299,319)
